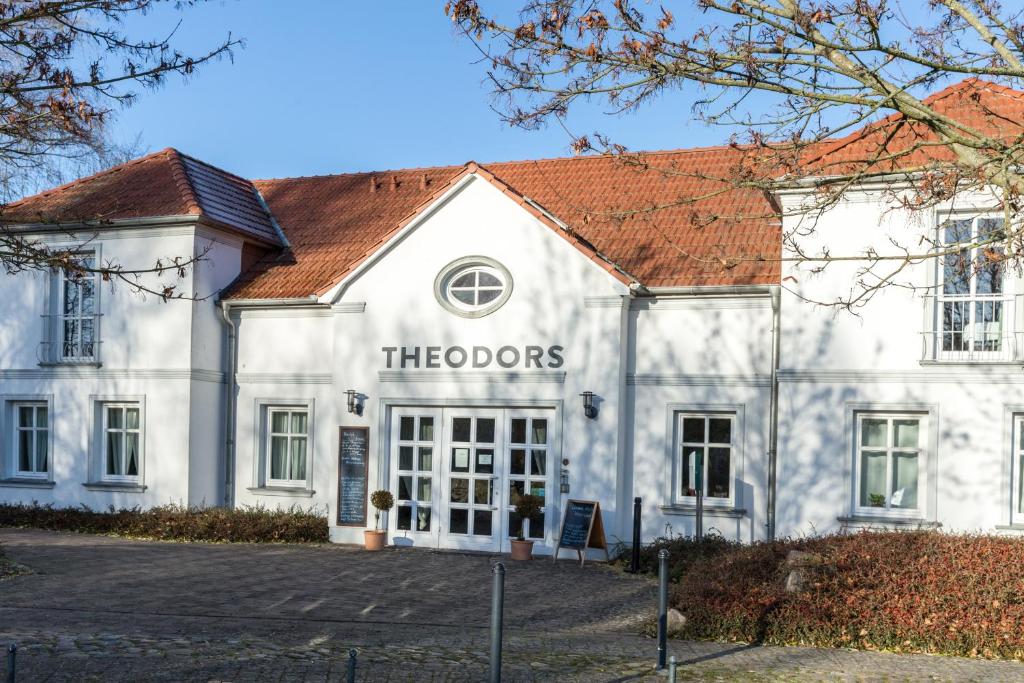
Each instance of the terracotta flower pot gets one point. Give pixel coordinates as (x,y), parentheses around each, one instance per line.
(374,540)
(522,550)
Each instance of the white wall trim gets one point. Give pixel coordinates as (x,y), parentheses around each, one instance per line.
(292,311)
(602,301)
(686,380)
(349,307)
(283,378)
(701,303)
(497,377)
(97,373)
(954,375)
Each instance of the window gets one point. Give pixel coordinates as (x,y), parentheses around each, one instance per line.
(415,473)
(287,446)
(122,455)
(890,463)
(473,286)
(705,456)
(528,472)
(973,305)
(76,328)
(1018,464)
(31,439)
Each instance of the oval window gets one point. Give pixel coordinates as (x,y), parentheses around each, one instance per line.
(473,286)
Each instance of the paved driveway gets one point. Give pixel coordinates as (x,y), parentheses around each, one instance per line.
(103,609)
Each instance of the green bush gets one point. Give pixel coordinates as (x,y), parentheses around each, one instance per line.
(914,591)
(247,524)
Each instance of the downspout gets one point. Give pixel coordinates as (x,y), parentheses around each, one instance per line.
(229,407)
(773,408)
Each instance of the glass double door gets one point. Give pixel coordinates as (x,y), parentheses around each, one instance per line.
(457,472)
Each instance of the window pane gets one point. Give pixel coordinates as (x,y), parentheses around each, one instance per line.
(299,423)
(461,429)
(298,464)
(279,422)
(458,521)
(25,451)
(718,473)
(422,519)
(405,458)
(905,433)
(904,480)
(990,267)
(488,280)
(536,526)
(954,326)
(954,231)
(42,453)
(423,489)
(516,488)
(42,417)
(482,491)
(693,429)
(460,460)
(115,418)
(25,416)
(131,440)
(486,296)
(991,229)
(956,273)
(872,479)
(405,487)
(515,524)
(538,460)
(278,457)
(460,491)
(466,280)
(482,522)
(689,471)
(874,433)
(132,418)
(87,293)
(404,522)
(466,296)
(114,459)
(519,430)
(988,327)
(720,430)
(406,428)
(70,297)
(484,461)
(426,429)
(537,489)
(70,338)
(485,430)
(1020,483)
(539,432)
(518,465)
(426,463)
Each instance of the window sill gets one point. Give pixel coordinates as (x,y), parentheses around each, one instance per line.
(1018,526)
(870,520)
(932,362)
(709,510)
(71,364)
(114,486)
(27,483)
(282,491)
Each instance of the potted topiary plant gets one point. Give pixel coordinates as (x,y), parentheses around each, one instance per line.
(877,500)
(527,506)
(377,538)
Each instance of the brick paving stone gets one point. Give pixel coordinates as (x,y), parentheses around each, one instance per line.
(106,609)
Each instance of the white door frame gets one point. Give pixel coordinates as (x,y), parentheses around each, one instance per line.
(474,474)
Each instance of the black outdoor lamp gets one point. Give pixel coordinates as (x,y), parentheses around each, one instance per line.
(589,409)
(354,404)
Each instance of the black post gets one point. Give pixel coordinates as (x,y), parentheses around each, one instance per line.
(350,676)
(497,606)
(700,497)
(12,652)
(662,607)
(634,562)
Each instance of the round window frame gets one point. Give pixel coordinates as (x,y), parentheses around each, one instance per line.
(457,268)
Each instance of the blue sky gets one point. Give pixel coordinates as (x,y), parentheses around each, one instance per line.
(329,87)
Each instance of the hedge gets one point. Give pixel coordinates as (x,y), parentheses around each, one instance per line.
(914,591)
(246,524)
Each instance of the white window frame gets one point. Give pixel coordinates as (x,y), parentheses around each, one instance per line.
(289,437)
(528,477)
(62,279)
(924,463)
(416,473)
(1015,468)
(1006,299)
(463,266)
(680,450)
(37,433)
(9,465)
(262,482)
(105,429)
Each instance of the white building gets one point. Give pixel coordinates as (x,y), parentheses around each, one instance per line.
(468,309)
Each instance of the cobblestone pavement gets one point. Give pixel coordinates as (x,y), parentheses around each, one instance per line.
(103,609)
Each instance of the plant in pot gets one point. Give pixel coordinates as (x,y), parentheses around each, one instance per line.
(876,500)
(527,506)
(382,501)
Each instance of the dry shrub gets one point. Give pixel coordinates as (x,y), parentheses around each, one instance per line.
(246,524)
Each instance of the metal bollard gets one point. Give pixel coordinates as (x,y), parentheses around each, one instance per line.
(634,562)
(672,669)
(662,607)
(350,676)
(12,653)
(497,607)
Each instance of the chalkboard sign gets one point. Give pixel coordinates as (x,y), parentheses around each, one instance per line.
(582,528)
(353,453)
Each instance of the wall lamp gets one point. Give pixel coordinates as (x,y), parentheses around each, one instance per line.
(354,404)
(589,409)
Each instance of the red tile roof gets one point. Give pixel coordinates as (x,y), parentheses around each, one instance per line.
(660,218)
(165,183)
